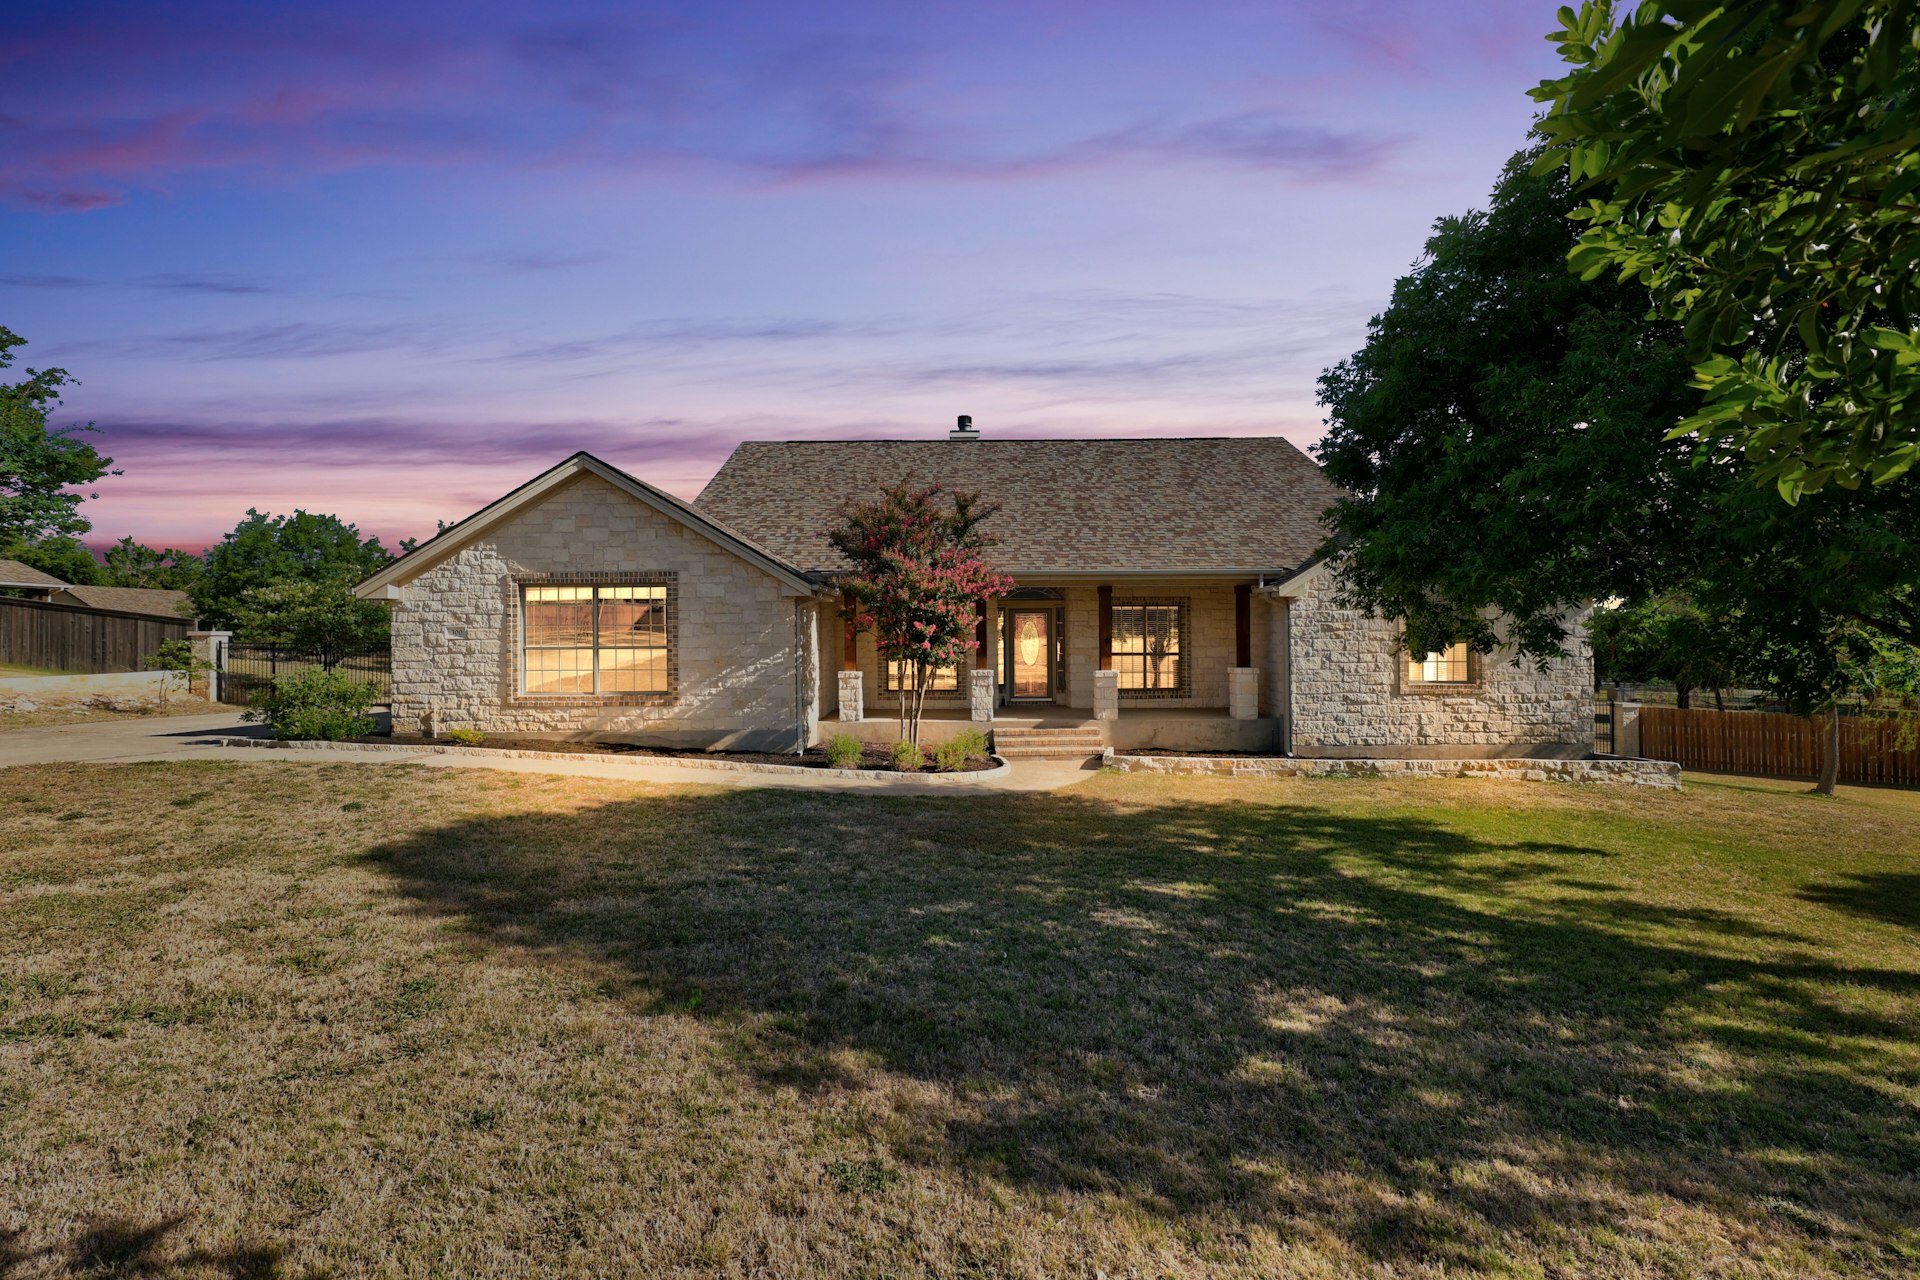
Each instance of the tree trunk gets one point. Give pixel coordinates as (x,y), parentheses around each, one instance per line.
(1682,695)
(1719,698)
(1830,762)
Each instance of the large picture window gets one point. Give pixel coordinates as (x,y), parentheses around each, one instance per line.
(897,674)
(1147,639)
(595,640)
(1449,666)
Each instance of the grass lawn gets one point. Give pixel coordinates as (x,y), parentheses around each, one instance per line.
(298,1020)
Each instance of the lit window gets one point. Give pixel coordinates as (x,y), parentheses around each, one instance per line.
(1146,646)
(1449,666)
(595,640)
(898,676)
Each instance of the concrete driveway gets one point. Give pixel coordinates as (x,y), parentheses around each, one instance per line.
(198,738)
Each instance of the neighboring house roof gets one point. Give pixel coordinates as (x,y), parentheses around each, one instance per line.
(455,536)
(15,574)
(150,600)
(1241,503)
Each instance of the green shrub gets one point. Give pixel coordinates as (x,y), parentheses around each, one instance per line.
(952,755)
(315,704)
(843,751)
(466,737)
(907,757)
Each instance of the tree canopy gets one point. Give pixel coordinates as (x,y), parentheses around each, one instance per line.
(42,467)
(264,550)
(1757,165)
(135,564)
(1502,433)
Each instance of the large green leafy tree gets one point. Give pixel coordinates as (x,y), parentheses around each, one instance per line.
(43,468)
(266,551)
(65,558)
(135,564)
(1757,165)
(1501,432)
(1501,436)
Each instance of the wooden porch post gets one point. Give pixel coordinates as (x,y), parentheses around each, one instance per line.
(980,630)
(1243,625)
(1105,594)
(850,639)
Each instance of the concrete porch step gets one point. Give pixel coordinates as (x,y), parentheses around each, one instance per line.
(1047,753)
(1093,740)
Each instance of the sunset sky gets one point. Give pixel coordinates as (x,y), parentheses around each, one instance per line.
(389,260)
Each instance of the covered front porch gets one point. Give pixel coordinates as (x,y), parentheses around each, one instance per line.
(1183,663)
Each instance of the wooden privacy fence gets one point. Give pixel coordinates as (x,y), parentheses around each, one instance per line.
(64,637)
(1872,749)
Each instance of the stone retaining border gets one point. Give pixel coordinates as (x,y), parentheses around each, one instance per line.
(1000,768)
(1661,774)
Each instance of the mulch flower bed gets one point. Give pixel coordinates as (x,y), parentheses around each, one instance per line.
(873,757)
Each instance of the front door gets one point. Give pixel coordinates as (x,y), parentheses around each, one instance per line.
(1030,653)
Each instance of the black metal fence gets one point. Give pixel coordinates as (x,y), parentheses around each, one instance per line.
(251,668)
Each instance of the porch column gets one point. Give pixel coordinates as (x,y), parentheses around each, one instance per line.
(1106,694)
(849,638)
(1243,625)
(1104,593)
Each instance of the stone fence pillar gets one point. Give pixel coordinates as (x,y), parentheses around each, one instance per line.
(209,647)
(980,695)
(853,702)
(1626,730)
(1243,693)
(1106,695)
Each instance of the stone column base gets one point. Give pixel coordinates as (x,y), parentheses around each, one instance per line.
(1106,695)
(853,702)
(980,695)
(1243,693)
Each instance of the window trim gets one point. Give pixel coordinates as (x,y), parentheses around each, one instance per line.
(1182,686)
(1407,683)
(516,692)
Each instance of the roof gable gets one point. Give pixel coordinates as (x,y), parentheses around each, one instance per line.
(1243,504)
(458,535)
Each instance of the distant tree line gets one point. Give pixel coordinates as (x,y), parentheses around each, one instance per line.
(272,579)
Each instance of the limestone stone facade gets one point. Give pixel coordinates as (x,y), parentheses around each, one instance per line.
(1349,695)
(744,675)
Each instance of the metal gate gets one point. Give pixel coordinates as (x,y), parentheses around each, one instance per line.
(252,668)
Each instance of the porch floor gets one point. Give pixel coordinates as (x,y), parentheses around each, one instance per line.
(1188,728)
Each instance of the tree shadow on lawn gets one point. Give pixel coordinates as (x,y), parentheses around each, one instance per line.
(1428,1044)
(124,1249)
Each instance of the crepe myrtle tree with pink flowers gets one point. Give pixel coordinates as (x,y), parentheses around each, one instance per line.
(917,580)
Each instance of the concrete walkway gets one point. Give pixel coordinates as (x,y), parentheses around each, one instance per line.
(197,738)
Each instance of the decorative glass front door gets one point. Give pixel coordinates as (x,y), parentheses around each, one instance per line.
(1031,642)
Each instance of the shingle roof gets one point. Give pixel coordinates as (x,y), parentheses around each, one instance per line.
(15,574)
(151,600)
(1072,506)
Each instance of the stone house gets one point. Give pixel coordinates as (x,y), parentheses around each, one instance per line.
(1166,594)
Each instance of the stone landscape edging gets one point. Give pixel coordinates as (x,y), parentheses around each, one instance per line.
(1661,774)
(1000,767)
